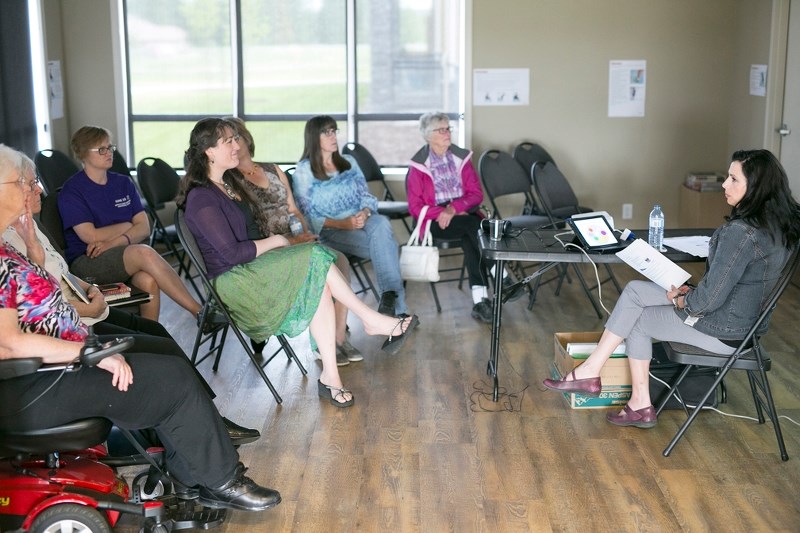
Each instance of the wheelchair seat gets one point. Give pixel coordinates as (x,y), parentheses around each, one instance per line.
(77,435)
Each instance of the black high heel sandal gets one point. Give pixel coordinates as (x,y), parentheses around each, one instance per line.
(331,393)
(393,344)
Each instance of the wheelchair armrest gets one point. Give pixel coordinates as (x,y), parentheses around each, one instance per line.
(13,368)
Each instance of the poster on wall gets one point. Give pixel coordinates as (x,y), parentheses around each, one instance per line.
(500,86)
(56,88)
(758,80)
(627,83)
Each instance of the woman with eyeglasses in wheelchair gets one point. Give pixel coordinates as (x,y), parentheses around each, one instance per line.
(151,391)
(745,258)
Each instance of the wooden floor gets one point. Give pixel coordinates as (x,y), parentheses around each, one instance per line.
(424,449)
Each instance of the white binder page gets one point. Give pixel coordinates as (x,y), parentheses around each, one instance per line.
(653,264)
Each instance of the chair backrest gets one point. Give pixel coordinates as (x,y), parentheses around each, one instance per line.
(528,154)
(51,223)
(761,325)
(120,166)
(189,244)
(158,181)
(554,191)
(502,175)
(54,168)
(369,166)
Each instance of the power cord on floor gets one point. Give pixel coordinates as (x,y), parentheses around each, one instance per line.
(711,408)
(481,398)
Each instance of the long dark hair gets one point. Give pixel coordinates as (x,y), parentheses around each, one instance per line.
(312,151)
(206,134)
(767,203)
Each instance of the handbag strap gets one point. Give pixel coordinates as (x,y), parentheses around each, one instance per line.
(427,238)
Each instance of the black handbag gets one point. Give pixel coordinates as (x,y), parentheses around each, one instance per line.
(693,387)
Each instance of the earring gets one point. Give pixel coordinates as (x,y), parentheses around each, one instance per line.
(212,161)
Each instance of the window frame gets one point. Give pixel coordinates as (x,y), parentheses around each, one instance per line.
(352,116)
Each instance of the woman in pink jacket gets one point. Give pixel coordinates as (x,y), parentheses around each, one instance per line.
(442,177)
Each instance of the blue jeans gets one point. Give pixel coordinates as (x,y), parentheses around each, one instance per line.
(375,241)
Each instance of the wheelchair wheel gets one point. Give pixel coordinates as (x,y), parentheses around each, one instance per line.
(70,518)
(140,493)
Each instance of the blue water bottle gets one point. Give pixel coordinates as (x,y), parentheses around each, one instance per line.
(655,235)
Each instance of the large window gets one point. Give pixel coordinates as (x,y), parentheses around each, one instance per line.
(374,65)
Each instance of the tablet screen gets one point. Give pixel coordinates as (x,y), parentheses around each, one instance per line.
(595,231)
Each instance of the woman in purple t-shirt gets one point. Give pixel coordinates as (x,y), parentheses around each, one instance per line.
(104,222)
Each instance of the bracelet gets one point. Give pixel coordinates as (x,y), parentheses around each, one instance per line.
(126,237)
(675,301)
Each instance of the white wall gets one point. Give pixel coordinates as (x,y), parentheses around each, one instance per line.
(567,45)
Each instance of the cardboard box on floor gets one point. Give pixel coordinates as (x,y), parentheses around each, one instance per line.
(616,373)
(609,397)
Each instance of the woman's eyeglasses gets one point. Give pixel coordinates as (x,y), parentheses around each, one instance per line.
(22,183)
(329,132)
(444,131)
(103,150)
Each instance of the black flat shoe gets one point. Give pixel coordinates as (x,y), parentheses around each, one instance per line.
(214,320)
(393,344)
(387,303)
(240,435)
(241,493)
(331,393)
(258,347)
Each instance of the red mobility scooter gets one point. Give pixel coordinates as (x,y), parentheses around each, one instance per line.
(58,479)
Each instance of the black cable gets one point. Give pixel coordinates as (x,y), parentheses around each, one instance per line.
(66,369)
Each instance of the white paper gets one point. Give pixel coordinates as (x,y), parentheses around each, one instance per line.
(56,87)
(653,264)
(758,80)
(501,86)
(627,84)
(697,246)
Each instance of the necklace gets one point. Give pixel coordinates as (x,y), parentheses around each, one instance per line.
(252,171)
(228,189)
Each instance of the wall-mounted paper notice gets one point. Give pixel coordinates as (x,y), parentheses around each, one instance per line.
(56,88)
(758,80)
(500,86)
(627,83)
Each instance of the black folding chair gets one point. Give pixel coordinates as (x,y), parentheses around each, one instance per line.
(749,356)
(504,177)
(528,154)
(387,206)
(559,203)
(159,185)
(213,303)
(54,168)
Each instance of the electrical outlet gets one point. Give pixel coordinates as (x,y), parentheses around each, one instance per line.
(627,211)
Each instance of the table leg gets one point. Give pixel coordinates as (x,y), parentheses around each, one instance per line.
(497,312)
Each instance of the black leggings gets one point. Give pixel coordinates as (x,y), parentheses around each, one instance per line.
(465,227)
